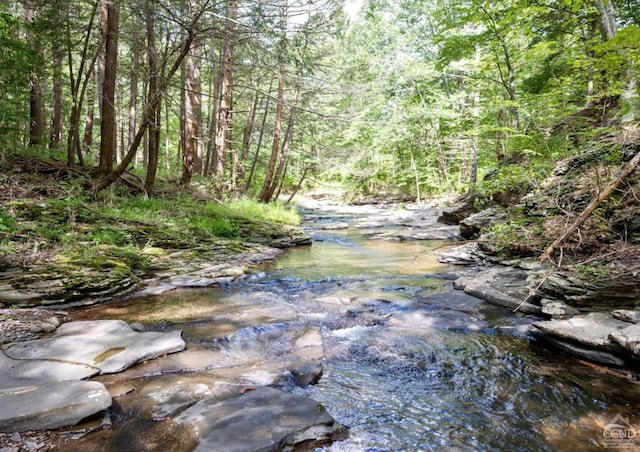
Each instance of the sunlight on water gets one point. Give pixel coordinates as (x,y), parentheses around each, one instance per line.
(409,364)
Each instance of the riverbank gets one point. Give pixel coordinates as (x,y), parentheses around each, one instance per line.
(62,246)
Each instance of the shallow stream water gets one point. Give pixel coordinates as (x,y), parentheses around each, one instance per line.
(409,363)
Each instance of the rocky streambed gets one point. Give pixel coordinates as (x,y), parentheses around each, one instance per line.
(246,352)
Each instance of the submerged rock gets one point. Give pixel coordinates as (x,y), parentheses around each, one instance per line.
(263,419)
(306,373)
(51,405)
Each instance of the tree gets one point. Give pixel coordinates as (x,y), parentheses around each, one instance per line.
(224,111)
(36,126)
(192,160)
(108,127)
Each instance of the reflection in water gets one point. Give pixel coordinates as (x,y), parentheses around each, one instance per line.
(408,364)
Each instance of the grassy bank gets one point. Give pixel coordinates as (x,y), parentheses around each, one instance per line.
(49,216)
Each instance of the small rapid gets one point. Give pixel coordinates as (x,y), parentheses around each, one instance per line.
(409,363)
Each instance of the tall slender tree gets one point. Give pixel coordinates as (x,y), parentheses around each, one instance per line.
(224,111)
(108,126)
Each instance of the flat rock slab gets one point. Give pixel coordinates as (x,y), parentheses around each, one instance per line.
(503,286)
(15,372)
(592,330)
(109,345)
(51,405)
(263,419)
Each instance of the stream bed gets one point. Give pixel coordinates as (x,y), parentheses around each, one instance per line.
(408,363)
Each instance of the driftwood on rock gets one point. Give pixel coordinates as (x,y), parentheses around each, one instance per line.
(623,173)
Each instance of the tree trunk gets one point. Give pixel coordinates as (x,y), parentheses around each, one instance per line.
(87,141)
(225,95)
(286,144)
(108,125)
(152,115)
(104,14)
(606,19)
(78,85)
(133,89)
(55,137)
(36,127)
(192,159)
(275,146)
(214,95)
(259,144)
(247,133)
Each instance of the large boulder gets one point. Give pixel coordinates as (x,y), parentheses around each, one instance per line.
(264,419)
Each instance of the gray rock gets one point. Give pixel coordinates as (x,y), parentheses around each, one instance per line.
(592,330)
(467,254)
(51,405)
(110,345)
(472,226)
(523,331)
(334,226)
(591,354)
(558,309)
(27,372)
(454,215)
(628,338)
(503,286)
(160,400)
(263,419)
(627,315)
(306,373)
(53,320)
(603,295)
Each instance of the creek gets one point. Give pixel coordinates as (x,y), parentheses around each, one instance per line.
(409,363)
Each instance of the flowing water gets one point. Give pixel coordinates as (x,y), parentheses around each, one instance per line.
(409,364)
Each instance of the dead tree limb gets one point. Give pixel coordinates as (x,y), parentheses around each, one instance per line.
(623,173)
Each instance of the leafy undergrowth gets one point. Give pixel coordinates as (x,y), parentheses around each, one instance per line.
(48,215)
(607,246)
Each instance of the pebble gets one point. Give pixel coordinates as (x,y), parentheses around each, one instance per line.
(53,320)
(47,327)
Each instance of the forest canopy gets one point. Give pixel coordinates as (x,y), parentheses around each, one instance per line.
(257,98)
